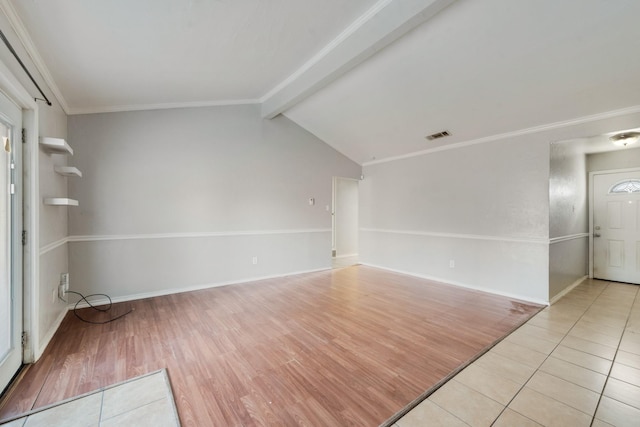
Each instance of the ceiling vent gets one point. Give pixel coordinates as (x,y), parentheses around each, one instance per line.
(438,135)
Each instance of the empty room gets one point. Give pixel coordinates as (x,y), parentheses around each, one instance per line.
(389,213)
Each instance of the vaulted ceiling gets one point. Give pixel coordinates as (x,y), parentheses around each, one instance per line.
(122,54)
(371,78)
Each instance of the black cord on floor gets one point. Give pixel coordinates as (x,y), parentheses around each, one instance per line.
(83,298)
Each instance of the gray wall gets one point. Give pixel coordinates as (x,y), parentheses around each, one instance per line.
(568,220)
(53,226)
(486,207)
(173,200)
(621,159)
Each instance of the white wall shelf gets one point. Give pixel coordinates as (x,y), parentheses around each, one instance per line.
(68,171)
(59,146)
(55,145)
(60,201)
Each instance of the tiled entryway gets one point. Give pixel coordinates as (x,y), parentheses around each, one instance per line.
(143,401)
(576,363)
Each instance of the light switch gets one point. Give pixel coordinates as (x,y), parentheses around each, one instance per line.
(312,201)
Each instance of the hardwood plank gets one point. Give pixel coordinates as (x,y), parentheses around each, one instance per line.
(343,347)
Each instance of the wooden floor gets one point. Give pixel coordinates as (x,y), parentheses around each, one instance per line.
(344,347)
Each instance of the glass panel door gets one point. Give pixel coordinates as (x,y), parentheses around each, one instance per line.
(10,241)
(6,296)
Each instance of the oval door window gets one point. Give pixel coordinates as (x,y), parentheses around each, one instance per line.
(628,186)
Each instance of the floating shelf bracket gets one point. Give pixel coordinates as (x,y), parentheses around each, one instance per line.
(68,171)
(60,201)
(55,145)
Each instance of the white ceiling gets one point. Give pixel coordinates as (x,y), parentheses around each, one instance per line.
(482,68)
(598,143)
(122,54)
(476,69)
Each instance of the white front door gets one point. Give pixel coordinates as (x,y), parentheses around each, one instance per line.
(10,240)
(616,226)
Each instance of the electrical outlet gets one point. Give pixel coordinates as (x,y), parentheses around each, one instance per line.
(64,281)
(254,260)
(61,291)
(452,263)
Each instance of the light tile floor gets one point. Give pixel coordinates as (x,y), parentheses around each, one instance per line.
(141,402)
(576,363)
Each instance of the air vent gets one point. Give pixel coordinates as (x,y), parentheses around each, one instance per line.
(438,135)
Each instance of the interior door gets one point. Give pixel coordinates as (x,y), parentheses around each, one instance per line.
(616,226)
(345,217)
(10,240)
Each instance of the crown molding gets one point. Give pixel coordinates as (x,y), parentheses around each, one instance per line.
(25,39)
(527,131)
(164,106)
(11,86)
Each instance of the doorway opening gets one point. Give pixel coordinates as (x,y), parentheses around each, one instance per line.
(614,211)
(573,163)
(344,222)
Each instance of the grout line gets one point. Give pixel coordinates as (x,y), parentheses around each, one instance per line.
(566,334)
(585,310)
(101,408)
(449,412)
(136,408)
(80,397)
(606,381)
(546,358)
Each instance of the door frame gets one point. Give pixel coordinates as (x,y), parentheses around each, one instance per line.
(591,203)
(15,91)
(334,197)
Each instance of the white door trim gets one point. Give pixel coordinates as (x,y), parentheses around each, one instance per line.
(335,215)
(14,90)
(591,197)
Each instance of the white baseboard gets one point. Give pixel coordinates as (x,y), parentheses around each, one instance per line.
(567,290)
(460,284)
(42,346)
(172,291)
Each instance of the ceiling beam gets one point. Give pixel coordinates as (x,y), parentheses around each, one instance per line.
(387,21)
